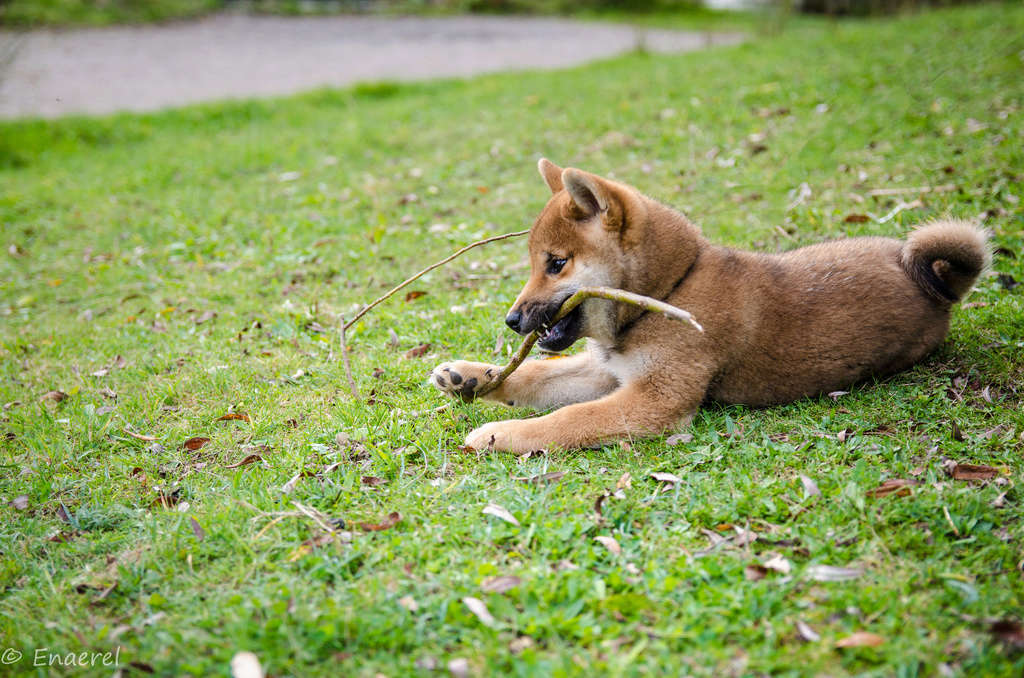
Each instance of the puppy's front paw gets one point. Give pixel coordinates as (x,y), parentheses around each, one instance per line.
(497,436)
(503,436)
(462,378)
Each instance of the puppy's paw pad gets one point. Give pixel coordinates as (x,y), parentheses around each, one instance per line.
(462,379)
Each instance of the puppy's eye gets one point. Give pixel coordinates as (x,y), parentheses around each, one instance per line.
(555,266)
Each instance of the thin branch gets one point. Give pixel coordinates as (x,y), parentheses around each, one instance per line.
(880,192)
(575,300)
(345,361)
(428,269)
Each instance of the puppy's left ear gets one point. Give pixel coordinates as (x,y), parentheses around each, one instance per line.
(593,196)
(552,174)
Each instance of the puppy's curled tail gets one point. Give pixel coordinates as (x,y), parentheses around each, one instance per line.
(945,258)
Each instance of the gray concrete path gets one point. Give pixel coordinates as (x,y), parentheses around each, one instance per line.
(141,68)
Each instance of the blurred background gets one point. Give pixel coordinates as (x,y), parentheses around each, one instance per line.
(29,13)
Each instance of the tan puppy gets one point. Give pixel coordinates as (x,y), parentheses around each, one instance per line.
(777,327)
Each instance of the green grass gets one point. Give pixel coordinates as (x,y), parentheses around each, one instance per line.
(29,13)
(124,235)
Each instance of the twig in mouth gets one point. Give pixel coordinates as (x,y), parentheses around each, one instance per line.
(572,302)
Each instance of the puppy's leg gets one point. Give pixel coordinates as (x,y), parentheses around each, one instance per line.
(539,384)
(638,408)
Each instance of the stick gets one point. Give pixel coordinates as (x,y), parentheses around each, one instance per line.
(428,269)
(944,188)
(345,361)
(575,300)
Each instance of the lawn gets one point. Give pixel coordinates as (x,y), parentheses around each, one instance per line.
(163,271)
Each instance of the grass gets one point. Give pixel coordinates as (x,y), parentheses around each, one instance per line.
(164,270)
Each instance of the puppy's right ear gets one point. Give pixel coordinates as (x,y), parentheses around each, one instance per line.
(552,174)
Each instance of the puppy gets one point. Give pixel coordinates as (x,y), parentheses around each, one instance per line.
(777,327)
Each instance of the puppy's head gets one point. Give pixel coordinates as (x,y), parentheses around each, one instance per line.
(577,241)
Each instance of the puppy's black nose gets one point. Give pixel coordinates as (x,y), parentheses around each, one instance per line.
(514,320)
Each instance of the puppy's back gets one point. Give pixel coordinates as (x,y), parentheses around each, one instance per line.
(823,317)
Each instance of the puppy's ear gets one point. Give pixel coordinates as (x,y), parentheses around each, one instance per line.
(593,196)
(552,174)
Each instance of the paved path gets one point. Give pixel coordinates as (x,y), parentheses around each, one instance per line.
(140,68)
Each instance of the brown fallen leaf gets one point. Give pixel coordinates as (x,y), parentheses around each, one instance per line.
(62,513)
(251,459)
(415,294)
(755,572)
(393,519)
(197,529)
(856,219)
(139,436)
(518,645)
(609,543)
(234,416)
(459,667)
(196,443)
(20,502)
(970,471)
(625,481)
(500,584)
(1010,631)
(860,639)
(478,608)
(500,512)
(897,486)
(54,396)
(416,352)
(373,481)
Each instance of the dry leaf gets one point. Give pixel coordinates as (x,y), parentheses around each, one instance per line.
(246,665)
(1009,631)
(234,416)
(779,564)
(251,459)
(806,632)
(393,519)
(810,487)
(54,396)
(501,512)
(417,352)
(831,573)
(610,544)
(755,572)
(971,471)
(861,639)
(551,477)
(196,443)
(373,481)
(679,439)
(415,294)
(517,645)
(897,486)
(409,603)
(477,607)
(999,502)
(459,667)
(625,481)
(856,219)
(835,395)
(197,529)
(20,502)
(500,584)
(670,478)
(139,436)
